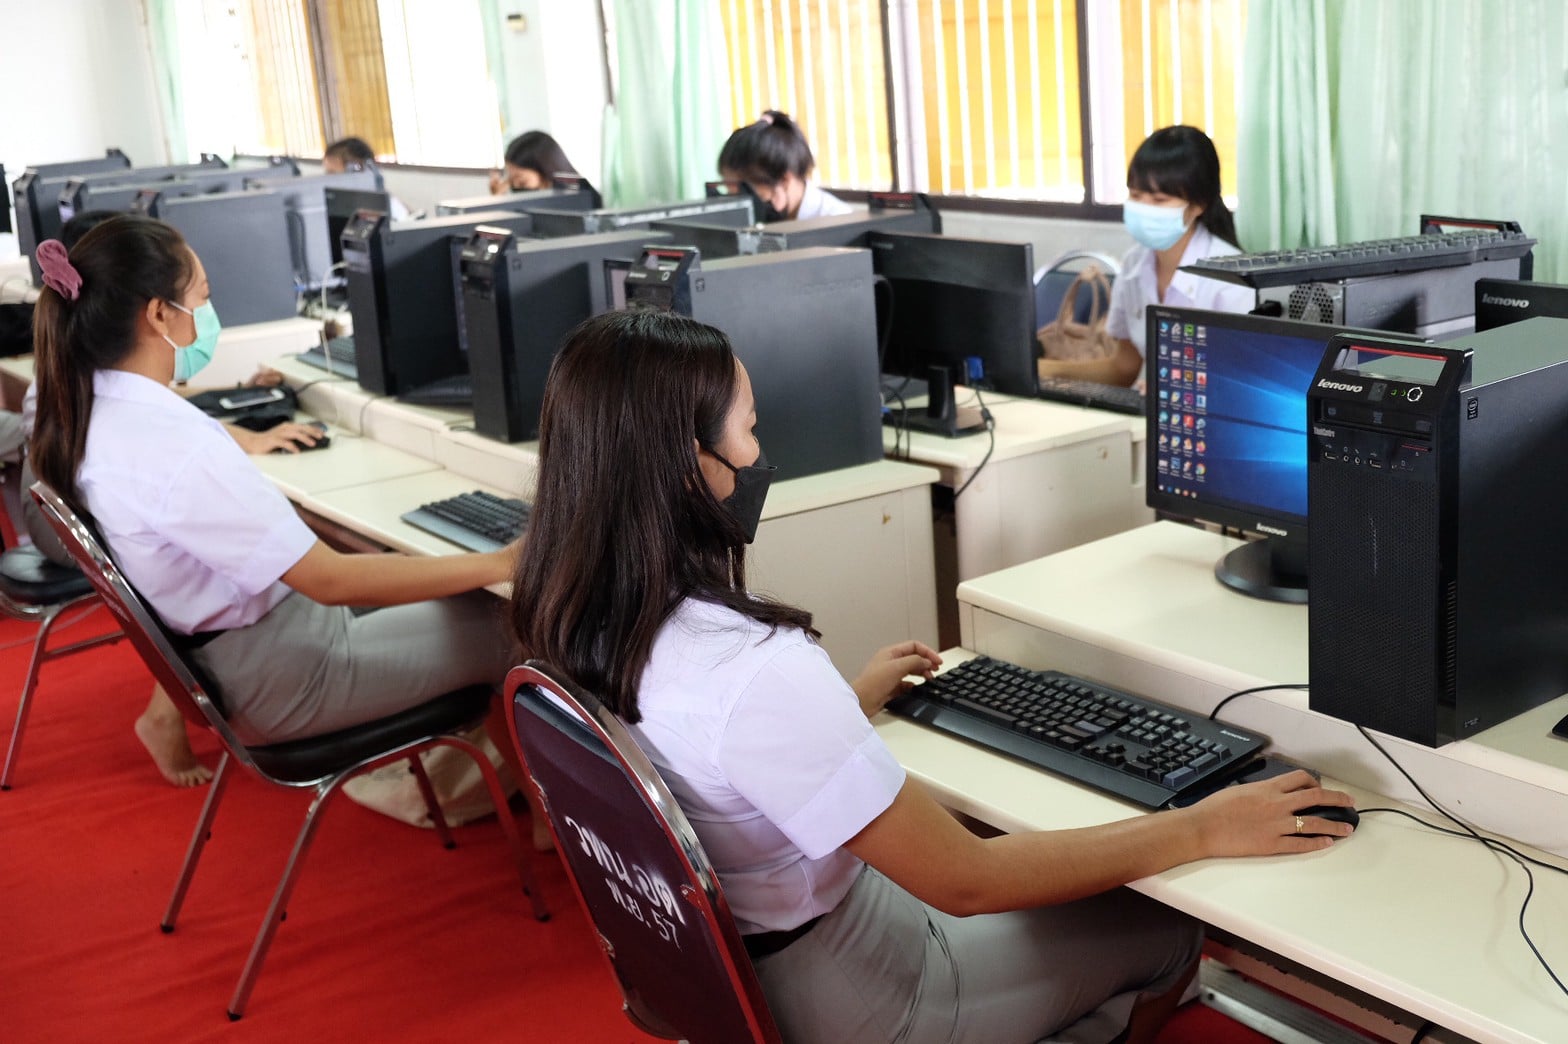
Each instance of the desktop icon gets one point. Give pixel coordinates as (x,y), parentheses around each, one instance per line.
(1200,470)
(1165,417)
(1202,423)
(1186,445)
(1189,400)
(1186,421)
(1203,402)
(1203,379)
(1201,446)
(1164,394)
(1186,467)
(1164,372)
(1190,329)
(1203,333)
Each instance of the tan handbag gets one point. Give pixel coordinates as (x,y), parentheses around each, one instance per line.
(1065,337)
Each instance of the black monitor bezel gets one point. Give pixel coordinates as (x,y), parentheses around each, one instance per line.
(1553,293)
(1254,519)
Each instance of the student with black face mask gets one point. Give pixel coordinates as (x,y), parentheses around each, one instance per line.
(870,913)
(772,159)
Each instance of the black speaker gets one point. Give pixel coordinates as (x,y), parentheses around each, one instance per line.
(1438,605)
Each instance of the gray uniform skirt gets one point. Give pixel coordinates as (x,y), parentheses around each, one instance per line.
(883,966)
(306,669)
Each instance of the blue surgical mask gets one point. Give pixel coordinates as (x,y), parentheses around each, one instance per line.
(1156,227)
(188,361)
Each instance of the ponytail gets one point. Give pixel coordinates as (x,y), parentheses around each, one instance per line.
(89,323)
(765,151)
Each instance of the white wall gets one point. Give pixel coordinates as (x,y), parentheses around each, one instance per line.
(555,77)
(79,79)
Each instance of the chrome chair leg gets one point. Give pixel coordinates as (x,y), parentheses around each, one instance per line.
(26,702)
(503,813)
(432,803)
(209,809)
(278,911)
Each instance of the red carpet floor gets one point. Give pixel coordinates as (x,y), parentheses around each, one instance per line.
(389,937)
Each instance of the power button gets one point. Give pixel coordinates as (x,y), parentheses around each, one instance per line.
(1414,395)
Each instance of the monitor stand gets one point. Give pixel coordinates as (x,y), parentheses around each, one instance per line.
(1272,569)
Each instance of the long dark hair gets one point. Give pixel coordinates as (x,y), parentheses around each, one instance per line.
(540,153)
(1182,162)
(124,262)
(767,150)
(624,525)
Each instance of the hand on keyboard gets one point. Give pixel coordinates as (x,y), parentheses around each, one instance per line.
(887,673)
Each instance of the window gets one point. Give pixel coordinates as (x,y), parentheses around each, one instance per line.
(289,76)
(990,98)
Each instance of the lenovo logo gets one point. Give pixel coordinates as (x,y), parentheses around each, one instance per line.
(1338,386)
(1264,527)
(1506,302)
(1327,433)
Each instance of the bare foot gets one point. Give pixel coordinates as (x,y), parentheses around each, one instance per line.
(170,747)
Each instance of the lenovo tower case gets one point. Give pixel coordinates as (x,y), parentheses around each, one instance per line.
(1439,606)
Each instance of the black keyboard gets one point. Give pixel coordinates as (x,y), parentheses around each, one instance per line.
(1127,746)
(457,390)
(337,357)
(1112,397)
(477,521)
(1374,257)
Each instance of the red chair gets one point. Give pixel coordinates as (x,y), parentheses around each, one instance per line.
(321,763)
(637,866)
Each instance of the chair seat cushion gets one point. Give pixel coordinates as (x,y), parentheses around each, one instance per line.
(306,760)
(27,576)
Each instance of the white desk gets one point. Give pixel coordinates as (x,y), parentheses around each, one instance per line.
(1420,920)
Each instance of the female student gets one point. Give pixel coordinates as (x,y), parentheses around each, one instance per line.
(208,542)
(1175,213)
(772,157)
(870,912)
(532,161)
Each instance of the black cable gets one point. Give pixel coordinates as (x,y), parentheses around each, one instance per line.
(990,428)
(1467,831)
(1426,1027)
(900,429)
(1214,714)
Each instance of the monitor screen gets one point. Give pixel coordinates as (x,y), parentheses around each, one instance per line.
(1227,422)
(342,204)
(966,305)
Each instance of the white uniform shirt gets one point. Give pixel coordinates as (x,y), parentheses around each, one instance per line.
(195,527)
(816,203)
(1138,287)
(765,747)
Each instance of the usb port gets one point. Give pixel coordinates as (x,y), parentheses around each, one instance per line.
(1374,462)
(1330,456)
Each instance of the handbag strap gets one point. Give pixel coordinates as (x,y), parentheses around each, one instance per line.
(1093,278)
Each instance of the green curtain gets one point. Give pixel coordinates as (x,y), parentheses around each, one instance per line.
(495,59)
(163,29)
(669,117)
(1358,117)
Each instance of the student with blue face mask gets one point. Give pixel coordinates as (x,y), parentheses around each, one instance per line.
(246,589)
(1176,216)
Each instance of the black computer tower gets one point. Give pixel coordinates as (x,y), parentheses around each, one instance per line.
(401,295)
(804,324)
(520,300)
(1438,603)
(557,222)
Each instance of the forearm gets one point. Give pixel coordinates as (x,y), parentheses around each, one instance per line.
(332,578)
(963,874)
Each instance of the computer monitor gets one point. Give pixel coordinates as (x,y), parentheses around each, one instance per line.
(242,239)
(556,222)
(83,194)
(401,295)
(804,324)
(310,222)
(521,297)
(38,193)
(1499,302)
(1227,435)
(580,197)
(885,212)
(964,305)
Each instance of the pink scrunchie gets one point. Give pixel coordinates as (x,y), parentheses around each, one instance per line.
(59,274)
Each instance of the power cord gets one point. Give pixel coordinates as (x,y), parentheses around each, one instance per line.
(1465,831)
(990,429)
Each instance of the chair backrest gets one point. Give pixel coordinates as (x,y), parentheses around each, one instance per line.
(1052,281)
(637,866)
(144,630)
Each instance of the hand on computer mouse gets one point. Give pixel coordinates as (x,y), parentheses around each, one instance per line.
(290,438)
(1262,818)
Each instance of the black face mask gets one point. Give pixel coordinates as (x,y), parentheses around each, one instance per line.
(751,490)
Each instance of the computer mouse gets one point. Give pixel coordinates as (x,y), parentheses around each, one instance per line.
(1560,730)
(306,447)
(1335,813)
